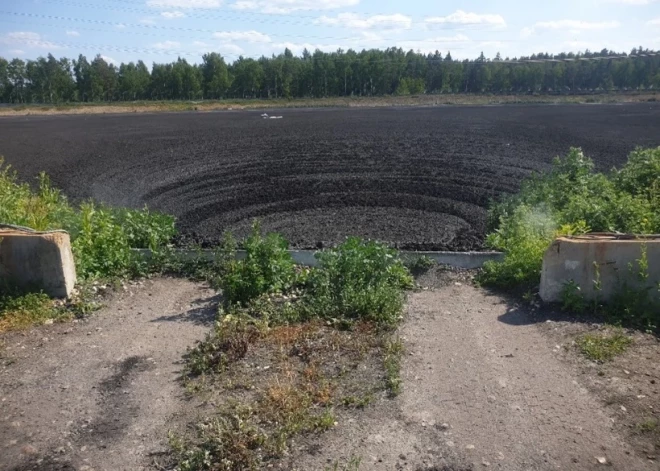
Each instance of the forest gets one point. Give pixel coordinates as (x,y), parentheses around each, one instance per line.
(392,71)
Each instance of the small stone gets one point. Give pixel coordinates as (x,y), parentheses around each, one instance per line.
(626,372)
(449,443)
(443,426)
(623,408)
(402,457)
(48,321)
(29,450)
(601,459)
(485,463)
(469,447)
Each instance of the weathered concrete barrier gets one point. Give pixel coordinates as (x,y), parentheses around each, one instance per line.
(307,257)
(37,260)
(600,265)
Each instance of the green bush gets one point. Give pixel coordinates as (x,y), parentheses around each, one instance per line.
(101,237)
(358,280)
(570,199)
(266,268)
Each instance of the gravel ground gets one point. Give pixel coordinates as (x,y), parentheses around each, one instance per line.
(419,178)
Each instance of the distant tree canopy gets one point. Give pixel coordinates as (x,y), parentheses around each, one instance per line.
(320,74)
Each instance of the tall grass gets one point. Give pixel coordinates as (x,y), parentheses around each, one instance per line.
(102,237)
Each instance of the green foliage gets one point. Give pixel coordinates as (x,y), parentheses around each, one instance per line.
(524,235)
(570,199)
(572,299)
(605,346)
(266,268)
(392,363)
(358,280)
(321,74)
(19,310)
(102,237)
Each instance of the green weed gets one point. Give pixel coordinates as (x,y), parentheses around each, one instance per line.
(392,362)
(604,346)
(358,280)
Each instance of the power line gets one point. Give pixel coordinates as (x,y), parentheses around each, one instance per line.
(270,20)
(270,35)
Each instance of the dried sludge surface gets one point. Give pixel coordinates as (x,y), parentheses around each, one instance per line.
(417,178)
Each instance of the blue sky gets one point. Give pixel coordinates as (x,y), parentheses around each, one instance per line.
(161,30)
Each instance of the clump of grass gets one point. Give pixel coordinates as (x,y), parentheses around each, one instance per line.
(19,309)
(648,426)
(392,363)
(603,346)
(24,310)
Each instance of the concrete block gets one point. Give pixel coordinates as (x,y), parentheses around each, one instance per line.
(37,260)
(611,258)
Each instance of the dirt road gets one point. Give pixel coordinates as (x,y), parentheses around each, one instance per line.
(484,388)
(97,395)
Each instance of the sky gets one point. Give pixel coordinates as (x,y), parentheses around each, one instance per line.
(162,30)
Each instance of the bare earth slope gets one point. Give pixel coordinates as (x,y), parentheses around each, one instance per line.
(420,178)
(98,394)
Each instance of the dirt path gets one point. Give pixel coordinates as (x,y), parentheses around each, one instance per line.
(97,394)
(483,389)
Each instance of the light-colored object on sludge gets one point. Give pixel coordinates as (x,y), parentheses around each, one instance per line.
(37,260)
(600,265)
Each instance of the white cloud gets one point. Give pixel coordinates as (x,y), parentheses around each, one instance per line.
(632,2)
(109,60)
(73,33)
(184,3)
(433,44)
(167,45)
(17,52)
(120,26)
(229,49)
(572,26)
(171,15)
(148,21)
(655,22)
(288,6)
(28,39)
(248,36)
(354,21)
(460,17)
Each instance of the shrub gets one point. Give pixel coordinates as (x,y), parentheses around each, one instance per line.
(266,268)
(358,280)
(570,199)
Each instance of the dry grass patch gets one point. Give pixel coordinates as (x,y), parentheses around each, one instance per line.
(270,386)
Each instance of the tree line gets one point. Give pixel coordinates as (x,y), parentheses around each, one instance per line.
(320,74)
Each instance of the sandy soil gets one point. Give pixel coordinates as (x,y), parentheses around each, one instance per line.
(484,387)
